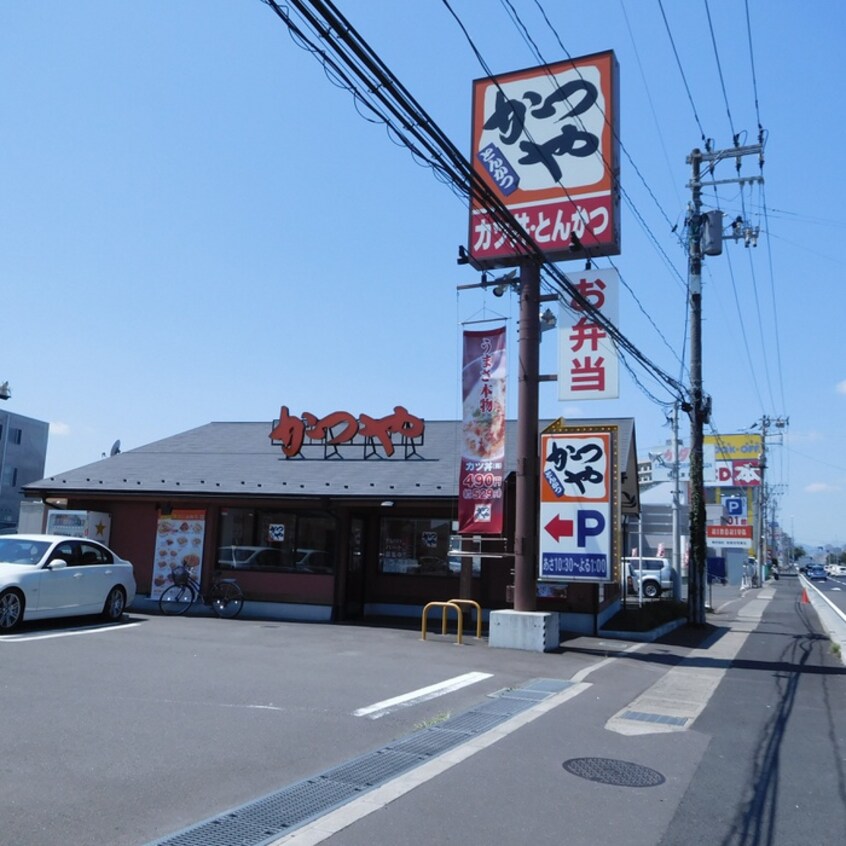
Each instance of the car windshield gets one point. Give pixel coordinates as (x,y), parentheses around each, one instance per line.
(18,551)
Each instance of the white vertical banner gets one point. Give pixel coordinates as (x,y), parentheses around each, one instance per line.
(587,357)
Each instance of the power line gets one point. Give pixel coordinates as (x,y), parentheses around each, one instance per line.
(752,64)
(335,32)
(541,59)
(722,78)
(777,331)
(706,142)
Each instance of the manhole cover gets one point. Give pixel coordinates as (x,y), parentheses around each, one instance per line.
(612,771)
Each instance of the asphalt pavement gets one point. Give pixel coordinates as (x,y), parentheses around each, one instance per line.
(255,732)
(761,759)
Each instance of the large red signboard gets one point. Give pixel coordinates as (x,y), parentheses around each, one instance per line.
(545,141)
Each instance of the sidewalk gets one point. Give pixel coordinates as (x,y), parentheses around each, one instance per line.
(658,744)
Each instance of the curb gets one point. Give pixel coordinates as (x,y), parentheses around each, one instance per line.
(643,637)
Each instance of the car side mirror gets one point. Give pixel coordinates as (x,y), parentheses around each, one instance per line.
(57,564)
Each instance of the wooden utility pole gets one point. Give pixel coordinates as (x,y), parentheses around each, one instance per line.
(699,409)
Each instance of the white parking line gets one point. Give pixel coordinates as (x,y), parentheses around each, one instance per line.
(379,709)
(25,638)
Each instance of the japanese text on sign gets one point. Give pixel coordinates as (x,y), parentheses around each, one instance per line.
(578,505)
(544,139)
(341,427)
(577,469)
(483,432)
(587,357)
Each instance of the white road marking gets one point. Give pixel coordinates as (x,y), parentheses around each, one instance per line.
(24,638)
(379,709)
(583,674)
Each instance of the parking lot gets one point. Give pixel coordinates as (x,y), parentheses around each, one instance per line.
(123,734)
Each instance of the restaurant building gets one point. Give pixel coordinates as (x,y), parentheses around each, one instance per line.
(352,520)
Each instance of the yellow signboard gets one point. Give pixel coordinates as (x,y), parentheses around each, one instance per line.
(733,447)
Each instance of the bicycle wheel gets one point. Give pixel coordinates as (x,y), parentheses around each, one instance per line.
(227,599)
(176,599)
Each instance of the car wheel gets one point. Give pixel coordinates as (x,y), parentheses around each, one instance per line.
(651,590)
(11,610)
(115,605)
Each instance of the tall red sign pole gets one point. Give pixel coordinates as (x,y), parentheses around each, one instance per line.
(527,505)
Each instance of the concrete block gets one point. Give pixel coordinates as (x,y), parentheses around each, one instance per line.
(533,631)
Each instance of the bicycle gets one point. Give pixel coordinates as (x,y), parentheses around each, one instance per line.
(224,596)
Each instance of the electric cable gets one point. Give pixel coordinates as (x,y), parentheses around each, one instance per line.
(339,35)
(540,58)
(752,64)
(706,141)
(722,78)
(777,331)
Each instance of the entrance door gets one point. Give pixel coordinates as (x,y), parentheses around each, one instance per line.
(354,594)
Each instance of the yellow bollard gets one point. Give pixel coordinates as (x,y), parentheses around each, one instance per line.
(444,606)
(478,613)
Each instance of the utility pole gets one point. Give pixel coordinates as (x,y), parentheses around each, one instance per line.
(676,507)
(526,518)
(698,548)
(699,409)
(762,501)
(764,494)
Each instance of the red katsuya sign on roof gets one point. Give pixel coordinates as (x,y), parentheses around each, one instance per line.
(342,429)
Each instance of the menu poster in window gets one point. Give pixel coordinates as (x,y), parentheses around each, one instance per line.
(179,543)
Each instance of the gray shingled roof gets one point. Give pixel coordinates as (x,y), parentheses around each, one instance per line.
(239,459)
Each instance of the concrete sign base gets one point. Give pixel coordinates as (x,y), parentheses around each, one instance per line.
(533,631)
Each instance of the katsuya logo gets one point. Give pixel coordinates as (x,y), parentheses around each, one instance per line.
(340,428)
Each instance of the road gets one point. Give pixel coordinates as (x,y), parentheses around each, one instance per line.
(127,735)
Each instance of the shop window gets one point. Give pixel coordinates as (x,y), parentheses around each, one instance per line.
(9,477)
(276,541)
(416,547)
(15,435)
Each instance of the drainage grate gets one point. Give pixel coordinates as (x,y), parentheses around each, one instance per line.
(428,743)
(471,722)
(646,717)
(524,695)
(374,769)
(548,685)
(612,771)
(504,707)
(264,819)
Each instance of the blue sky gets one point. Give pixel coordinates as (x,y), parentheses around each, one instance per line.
(196,224)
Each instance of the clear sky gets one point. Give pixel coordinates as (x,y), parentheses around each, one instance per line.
(196,223)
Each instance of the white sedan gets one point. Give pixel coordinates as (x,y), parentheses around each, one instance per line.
(56,576)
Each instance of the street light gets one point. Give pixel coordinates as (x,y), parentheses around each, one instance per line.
(5,391)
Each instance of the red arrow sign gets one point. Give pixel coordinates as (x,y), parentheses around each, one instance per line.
(558,527)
